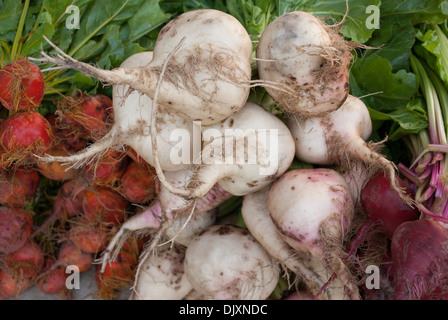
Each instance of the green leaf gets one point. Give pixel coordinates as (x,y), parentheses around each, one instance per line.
(387,91)
(355,27)
(148,17)
(116,50)
(57,8)
(394,41)
(436,56)
(83,82)
(98,15)
(36,41)
(415,11)
(10,11)
(412,119)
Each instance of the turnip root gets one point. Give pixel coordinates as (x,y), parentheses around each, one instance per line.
(356,176)
(207,79)
(225,262)
(258,221)
(180,229)
(313,209)
(307,57)
(336,290)
(162,276)
(339,139)
(132,127)
(172,204)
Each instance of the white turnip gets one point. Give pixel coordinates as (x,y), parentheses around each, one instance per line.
(258,221)
(225,262)
(313,209)
(309,59)
(339,138)
(244,153)
(206,78)
(162,276)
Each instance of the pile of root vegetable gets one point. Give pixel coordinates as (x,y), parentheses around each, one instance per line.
(181,185)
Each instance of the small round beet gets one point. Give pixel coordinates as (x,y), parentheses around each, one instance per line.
(23,135)
(28,261)
(138,183)
(383,204)
(71,255)
(104,205)
(54,281)
(22,85)
(15,228)
(107,170)
(18,187)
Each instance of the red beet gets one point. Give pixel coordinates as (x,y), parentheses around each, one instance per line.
(26,262)
(118,274)
(23,135)
(22,85)
(384,205)
(134,156)
(87,236)
(68,203)
(93,113)
(104,205)
(56,170)
(107,170)
(138,183)
(18,187)
(65,138)
(11,286)
(70,255)
(15,228)
(420,255)
(54,281)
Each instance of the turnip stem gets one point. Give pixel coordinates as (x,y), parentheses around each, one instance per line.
(18,36)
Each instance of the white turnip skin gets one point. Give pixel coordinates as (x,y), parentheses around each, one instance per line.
(173,205)
(339,138)
(274,154)
(258,221)
(225,262)
(207,77)
(162,277)
(330,139)
(356,176)
(313,210)
(309,59)
(336,290)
